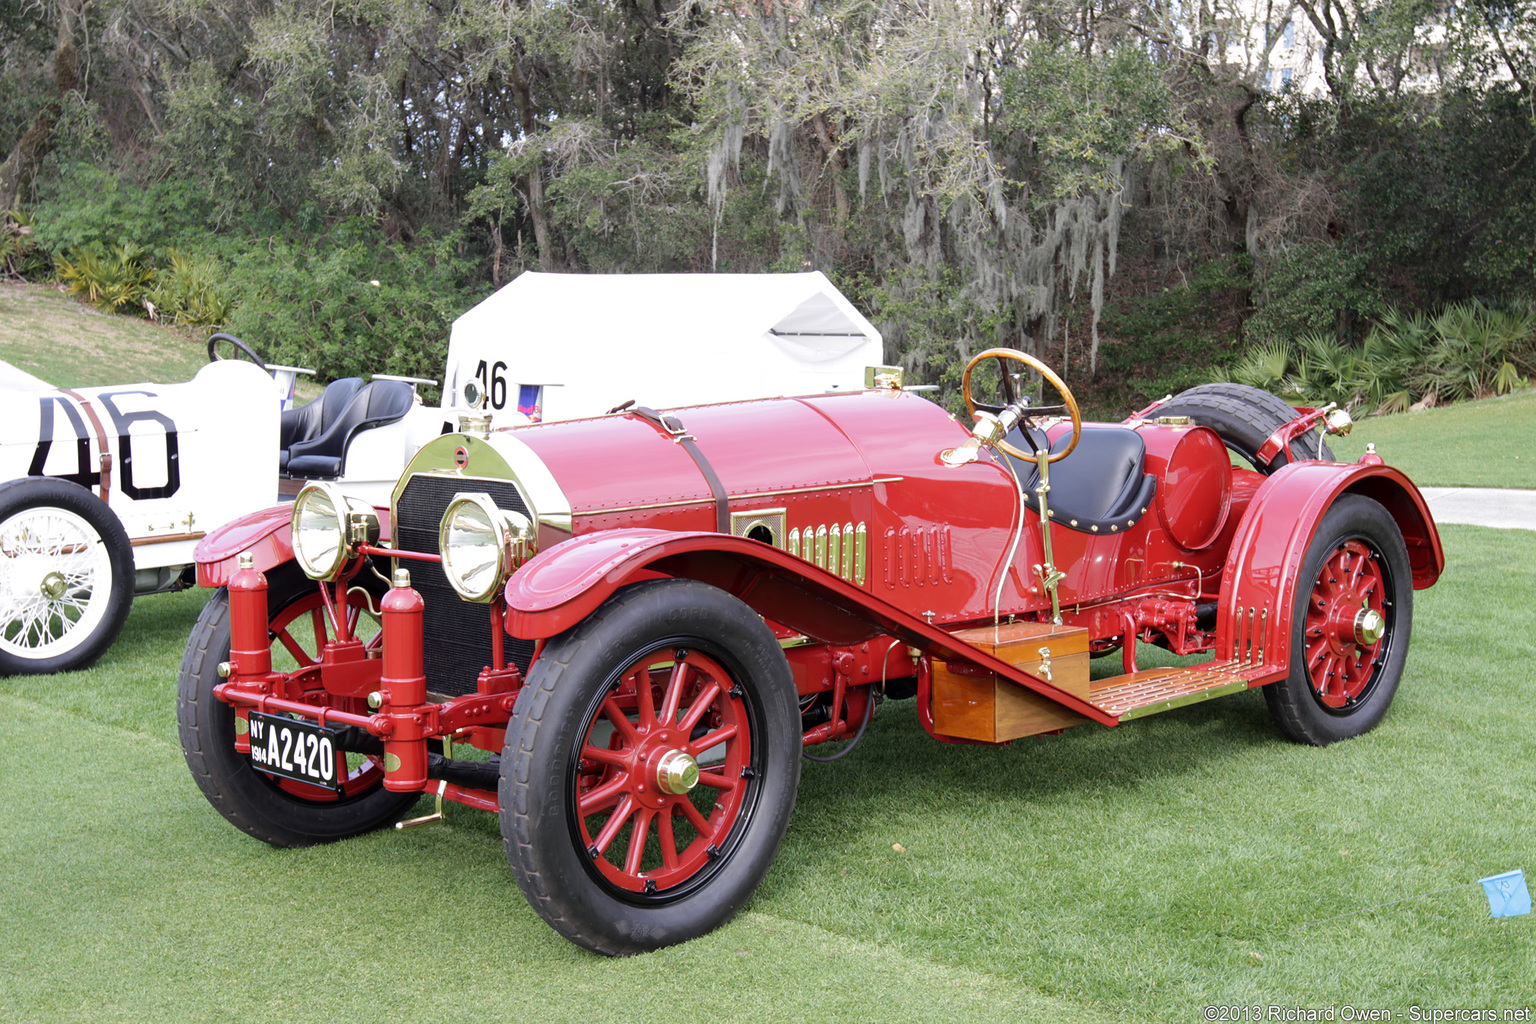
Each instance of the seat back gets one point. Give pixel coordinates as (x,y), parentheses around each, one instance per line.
(373,405)
(1102,487)
(313,418)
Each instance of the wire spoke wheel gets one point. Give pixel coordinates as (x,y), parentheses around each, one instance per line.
(65,576)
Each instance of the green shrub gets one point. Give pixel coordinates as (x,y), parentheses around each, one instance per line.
(117,278)
(348,303)
(1315,288)
(89,207)
(188,290)
(1476,353)
(1467,351)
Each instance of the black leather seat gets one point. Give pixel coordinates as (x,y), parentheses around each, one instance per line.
(372,405)
(311,419)
(1102,487)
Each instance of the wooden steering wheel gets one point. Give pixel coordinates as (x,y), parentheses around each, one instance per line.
(1068,403)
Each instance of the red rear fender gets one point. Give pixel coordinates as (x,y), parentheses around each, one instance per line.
(1258,587)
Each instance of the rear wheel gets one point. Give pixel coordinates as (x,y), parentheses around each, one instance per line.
(275,810)
(66,576)
(1350,626)
(1244,418)
(650,768)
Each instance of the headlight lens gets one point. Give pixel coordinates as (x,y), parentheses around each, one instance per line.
(482,545)
(327,527)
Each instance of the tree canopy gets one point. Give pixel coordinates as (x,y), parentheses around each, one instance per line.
(972,172)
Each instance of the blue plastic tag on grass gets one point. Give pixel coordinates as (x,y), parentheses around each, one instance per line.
(1508,895)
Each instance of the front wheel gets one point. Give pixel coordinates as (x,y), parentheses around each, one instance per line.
(650,768)
(66,576)
(1350,626)
(277,810)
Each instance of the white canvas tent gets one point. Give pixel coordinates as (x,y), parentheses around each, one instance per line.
(660,339)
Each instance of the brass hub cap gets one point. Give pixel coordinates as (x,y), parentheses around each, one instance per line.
(1370,627)
(677,772)
(53,586)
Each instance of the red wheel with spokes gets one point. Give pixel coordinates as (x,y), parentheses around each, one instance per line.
(661,781)
(650,767)
(1346,625)
(1353,612)
(279,811)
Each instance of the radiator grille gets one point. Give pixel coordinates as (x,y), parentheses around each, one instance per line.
(457,632)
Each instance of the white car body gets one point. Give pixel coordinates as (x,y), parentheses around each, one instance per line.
(169,446)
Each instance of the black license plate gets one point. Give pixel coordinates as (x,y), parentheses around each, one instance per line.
(294,749)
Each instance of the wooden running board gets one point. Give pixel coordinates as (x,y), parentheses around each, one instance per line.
(1161,689)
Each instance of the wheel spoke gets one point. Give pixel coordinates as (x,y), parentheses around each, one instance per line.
(701,704)
(604,796)
(714,739)
(294,648)
(645,701)
(602,755)
(698,820)
(620,721)
(637,837)
(667,839)
(674,694)
(717,780)
(614,823)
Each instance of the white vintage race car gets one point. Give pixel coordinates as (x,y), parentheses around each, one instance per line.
(109,489)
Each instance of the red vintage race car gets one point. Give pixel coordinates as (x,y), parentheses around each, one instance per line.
(619,634)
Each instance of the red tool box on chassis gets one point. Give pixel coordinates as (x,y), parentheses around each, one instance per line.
(645,618)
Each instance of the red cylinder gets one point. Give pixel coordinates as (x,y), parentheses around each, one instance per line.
(404,676)
(403,685)
(250,650)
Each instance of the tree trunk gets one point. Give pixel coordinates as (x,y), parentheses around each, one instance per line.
(21,164)
(542,236)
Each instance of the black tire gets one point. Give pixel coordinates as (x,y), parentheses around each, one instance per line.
(602,899)
(68,579)
(1340,686)
(273,810)
(1244,418)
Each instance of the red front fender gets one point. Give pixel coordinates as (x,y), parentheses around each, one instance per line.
(560,587)
(1258,586)
(266,534)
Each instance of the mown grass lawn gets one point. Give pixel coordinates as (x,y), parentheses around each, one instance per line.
(74,345)
(1139,873)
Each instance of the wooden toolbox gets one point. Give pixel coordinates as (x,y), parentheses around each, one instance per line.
(968,704)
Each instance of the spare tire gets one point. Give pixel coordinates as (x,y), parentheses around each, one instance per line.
(1244,418)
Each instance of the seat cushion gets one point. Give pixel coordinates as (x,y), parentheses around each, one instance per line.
(1102,487)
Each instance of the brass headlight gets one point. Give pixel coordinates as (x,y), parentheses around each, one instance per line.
(482,545)
(327,528)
